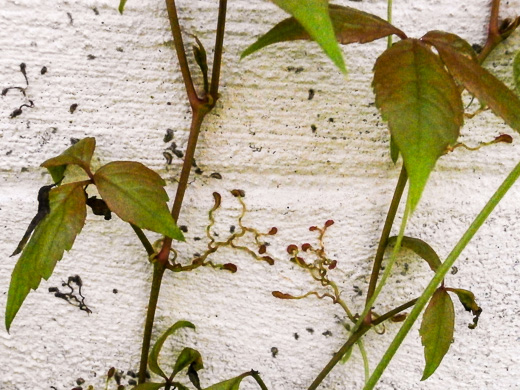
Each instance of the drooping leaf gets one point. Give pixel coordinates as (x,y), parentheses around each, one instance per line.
(422,105)
(516,71)
(437,330)
(350,26)
(121,8)
(156,349)
(467,298)
(53,235)
(149,386)
(313,15)
(487,88)
(230,384)
(421,248)
(136,194)
(186,358)
(79,154)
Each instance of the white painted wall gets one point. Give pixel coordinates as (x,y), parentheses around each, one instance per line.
(259,139)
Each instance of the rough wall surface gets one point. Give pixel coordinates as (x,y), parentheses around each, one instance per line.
(300,162)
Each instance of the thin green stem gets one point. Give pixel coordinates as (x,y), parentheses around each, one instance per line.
(158,272)
(364,356)
(440,274)
(389,20)
(383,241)
(144,240)
(394,312)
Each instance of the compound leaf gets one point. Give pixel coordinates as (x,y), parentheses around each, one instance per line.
(53,235)
(487,88)
(422,105)
(350,26)
(156,349)
(136,194)
(421,248)
(437,330)
(79,154)
(313,15)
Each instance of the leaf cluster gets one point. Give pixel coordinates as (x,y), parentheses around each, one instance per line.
(132,191)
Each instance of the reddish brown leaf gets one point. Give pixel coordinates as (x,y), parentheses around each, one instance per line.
(477,80)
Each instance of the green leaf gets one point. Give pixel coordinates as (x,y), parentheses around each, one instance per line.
(437,330)
(350,26)
(230,384)
(478,81)
(121,8)
(79,154)
(422,105)
(467,298)
(421,248)
(136,194)
(186,358)
(53,235)
(156,349)
(149,386)
(516,71)
(313,15)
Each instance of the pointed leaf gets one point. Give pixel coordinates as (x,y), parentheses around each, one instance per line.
(149,386)
(516,71)
(53,235)
(79,154)
(186,358)
(422,105)
(437,330)
(467,298)
(421,248)
(230,384)
(156,349)
(313,15)
(136,194)
(478,81)
(350,26)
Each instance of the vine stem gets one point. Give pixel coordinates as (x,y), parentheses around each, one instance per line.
(362,325)
(200,108)
(440,274)
(383,241)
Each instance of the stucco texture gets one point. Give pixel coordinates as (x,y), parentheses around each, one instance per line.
(300,162)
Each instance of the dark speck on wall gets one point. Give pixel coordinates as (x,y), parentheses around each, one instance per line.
(274,351)
(310,330)
(296,336)
(91,57)
(115,291)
